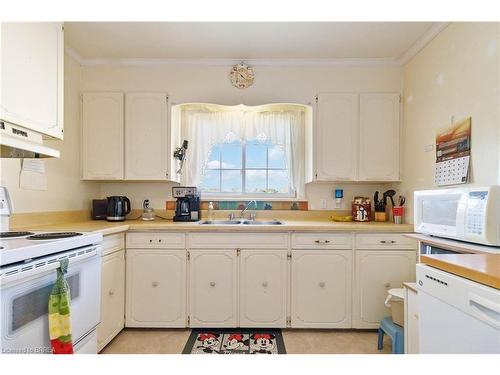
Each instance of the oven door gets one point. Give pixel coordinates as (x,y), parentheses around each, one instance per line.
(24,301)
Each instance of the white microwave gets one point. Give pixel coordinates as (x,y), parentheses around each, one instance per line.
(466,214)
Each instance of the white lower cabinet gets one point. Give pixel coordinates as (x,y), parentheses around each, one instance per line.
(263,288)
(411,322)
(213,288)
(112,297)
(321,288)
(236,281)
(156,288)
(377,272)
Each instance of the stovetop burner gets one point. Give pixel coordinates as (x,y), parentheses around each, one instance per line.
(53,236)
(14,234)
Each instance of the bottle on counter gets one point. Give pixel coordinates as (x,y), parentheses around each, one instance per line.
(210,211)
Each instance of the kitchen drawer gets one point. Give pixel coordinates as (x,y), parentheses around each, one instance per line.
(157,240)
(238,240)
(384,241)
(341,241)
(112,243)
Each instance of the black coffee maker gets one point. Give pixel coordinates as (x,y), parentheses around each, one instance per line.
(118,208)
(188,203)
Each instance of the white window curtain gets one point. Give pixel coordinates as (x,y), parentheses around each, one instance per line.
(205,125)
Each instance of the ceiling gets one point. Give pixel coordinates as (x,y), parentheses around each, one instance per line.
(244,40)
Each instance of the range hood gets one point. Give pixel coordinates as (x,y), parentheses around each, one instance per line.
(19,142)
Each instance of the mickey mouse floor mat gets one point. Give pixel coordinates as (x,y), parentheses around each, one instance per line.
(235,341)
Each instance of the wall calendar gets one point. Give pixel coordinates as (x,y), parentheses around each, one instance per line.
(453,154)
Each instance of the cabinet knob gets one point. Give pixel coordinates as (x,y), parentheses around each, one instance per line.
(264,284)
(111,293)
(383,241)
(159,240)
(322,242)
(321,284)
(212,283)
(155,284)
(150,240)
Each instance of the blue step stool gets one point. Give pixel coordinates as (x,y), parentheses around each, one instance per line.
(395,332)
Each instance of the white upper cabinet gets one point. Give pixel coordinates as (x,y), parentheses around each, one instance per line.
(337,137)
(379,137)
(32,71)
(102,136)
(146,136)
(357,137)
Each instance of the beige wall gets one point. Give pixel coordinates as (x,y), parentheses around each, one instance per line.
(64,191)
(196,83)
(457,74)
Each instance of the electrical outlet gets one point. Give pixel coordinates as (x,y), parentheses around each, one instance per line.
(323,203)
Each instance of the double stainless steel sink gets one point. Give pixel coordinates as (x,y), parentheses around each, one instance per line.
(241,222)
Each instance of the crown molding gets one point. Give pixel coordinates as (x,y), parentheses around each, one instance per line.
(421,42)
(231,62)
(72,53)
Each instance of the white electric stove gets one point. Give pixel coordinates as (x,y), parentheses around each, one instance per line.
(28,263)
(22,246)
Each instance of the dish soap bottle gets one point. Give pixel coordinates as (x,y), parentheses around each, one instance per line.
(210,211)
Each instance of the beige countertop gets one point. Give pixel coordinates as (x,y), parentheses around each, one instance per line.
(411,286)
(482,268)
(160,224)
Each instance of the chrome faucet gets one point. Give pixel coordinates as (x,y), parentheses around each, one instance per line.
(242,213)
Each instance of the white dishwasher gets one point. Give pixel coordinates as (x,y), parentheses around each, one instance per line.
(456,315)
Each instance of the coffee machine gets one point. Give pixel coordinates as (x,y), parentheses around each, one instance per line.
(188,203)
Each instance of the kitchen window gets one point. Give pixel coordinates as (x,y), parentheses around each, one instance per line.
(248,167)
(241,151)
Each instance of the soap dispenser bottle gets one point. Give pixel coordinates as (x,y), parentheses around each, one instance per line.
(210,211)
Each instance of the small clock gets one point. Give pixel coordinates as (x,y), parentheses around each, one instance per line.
(241,76)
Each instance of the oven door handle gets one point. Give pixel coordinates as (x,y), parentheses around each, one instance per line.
(6,279)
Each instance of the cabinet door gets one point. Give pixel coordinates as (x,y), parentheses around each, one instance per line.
(411,322)
(337,129)
(379,137)
(213,288)
(102,136)
(32,71)
(263,288)
(112,298)
(146,139)
(321,288)
(376,273)
(156,288)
